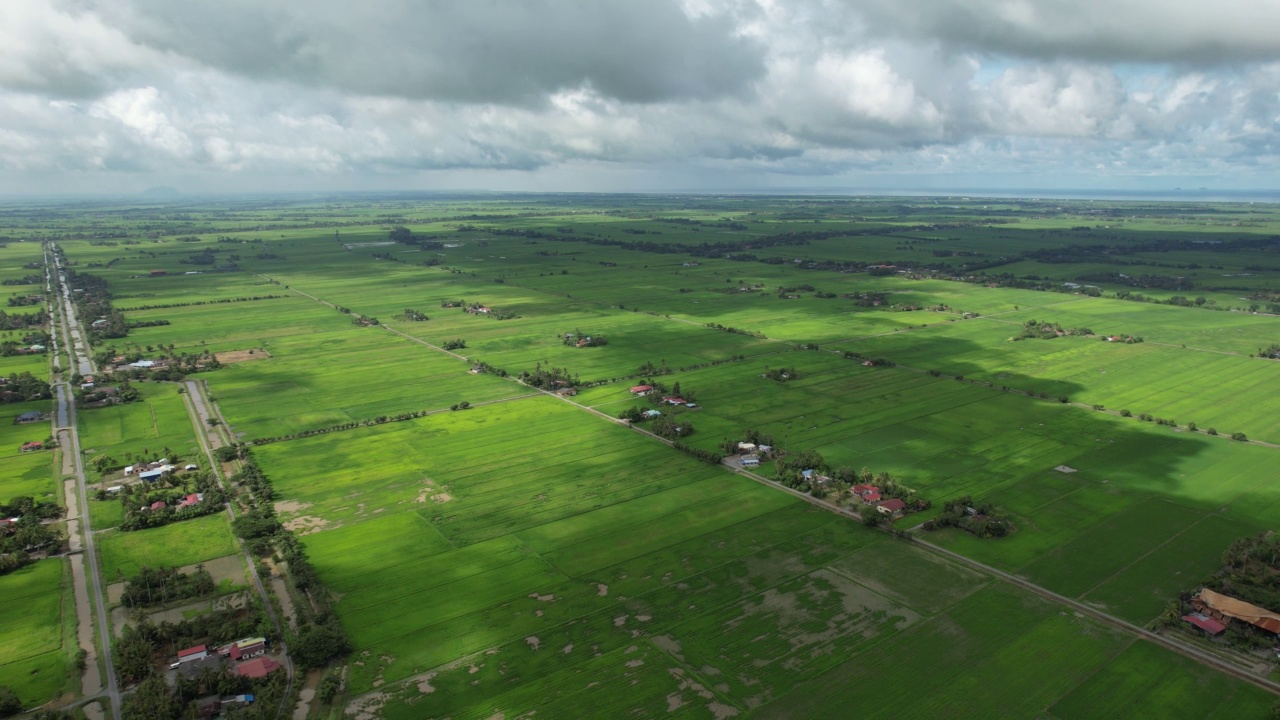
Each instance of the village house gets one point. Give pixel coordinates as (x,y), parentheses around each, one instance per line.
(190,500)
(157,505)
(892,508)
(641,390)
(258,668)
(673,400)
(244,649)
(191,654)
(749,461)
(652,413)
(747,447)
(1211,627)
(28,417)
(32,446)
(1219,607)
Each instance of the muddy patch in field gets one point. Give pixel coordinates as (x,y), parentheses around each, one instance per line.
(424,684)
(306,524)
(441,498)
(237,356)
(287,507)
(534,642)
(669,644)
(542,598)
(602,590)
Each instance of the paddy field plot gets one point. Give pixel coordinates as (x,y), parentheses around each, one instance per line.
(36,647)
(173,545)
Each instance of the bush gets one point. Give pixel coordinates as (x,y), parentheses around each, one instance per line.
(1125,413)
(1239,436)
(1212,431)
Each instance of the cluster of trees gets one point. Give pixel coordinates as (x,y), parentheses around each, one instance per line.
(319,636)
(405,236)
(25,300)
(125,392)
(9,348)
(30,534)
(139,646)
(1272,351)
(94,303)
(650,369)
(980,519)
(578,339)
(736,331)
(750,435)
(1036,330)
(412,315)
(166,306)
(399,417)
(549,378)
(157,586)
(137,500)
(133,324)
(24,280)
(878,362)
(457,344)
(671,427)
(486,368)
(22,321)
(782,374)
(699,453)
(23,387)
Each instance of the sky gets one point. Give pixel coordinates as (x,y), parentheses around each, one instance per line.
(229,96)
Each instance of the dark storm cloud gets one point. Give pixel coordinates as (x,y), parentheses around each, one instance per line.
(1164,31)
(475,51)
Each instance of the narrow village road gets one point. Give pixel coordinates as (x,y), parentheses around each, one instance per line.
(198,410)
(70,438)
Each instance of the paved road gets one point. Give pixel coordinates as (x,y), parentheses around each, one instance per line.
(66,414)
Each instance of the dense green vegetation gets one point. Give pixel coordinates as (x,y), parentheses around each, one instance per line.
(500,560)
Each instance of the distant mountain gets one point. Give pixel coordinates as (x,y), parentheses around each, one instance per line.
(161,192)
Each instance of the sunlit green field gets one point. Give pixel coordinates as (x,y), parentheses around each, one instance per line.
(528,556)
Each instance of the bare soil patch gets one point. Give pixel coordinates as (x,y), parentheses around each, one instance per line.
(235,356)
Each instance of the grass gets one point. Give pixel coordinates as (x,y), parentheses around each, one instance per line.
(527,556)
(33,660)
(174,545)
(1150,681)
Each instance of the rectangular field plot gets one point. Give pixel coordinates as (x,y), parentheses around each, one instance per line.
(999,653)
(318,380)
(1110,547)
(174,545)
(33,662)
(1142,590)
(157,421)
(1149,681)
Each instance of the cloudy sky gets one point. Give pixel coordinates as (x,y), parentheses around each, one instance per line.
(617,95)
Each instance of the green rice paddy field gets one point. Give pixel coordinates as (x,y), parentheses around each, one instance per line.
(36,649)
(529,556)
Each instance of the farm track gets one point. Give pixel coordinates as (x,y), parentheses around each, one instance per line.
(1187,651)
(198,409)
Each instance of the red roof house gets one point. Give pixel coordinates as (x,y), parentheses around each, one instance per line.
(258,668)
(159,505)
(891,507)
(640,389)
(188,501)
(28,447)
(1207,624)
(193,654)
(871,497)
